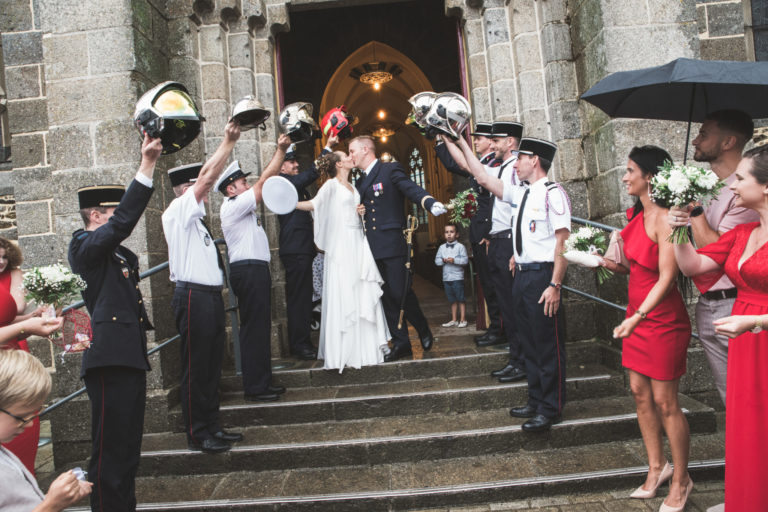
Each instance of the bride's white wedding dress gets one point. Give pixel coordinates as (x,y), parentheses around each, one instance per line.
(353,329)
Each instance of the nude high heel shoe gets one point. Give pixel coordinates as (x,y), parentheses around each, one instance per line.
(688,489)
(642,494)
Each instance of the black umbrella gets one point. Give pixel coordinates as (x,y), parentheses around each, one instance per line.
(684,90)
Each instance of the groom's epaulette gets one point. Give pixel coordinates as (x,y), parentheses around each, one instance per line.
(80,234)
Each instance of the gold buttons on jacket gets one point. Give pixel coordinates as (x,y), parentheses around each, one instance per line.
(371,201)
(114,318)
(139,301)
(374,219)
(373,210)
(374,228)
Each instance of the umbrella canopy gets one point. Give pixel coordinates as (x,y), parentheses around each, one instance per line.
(684,90)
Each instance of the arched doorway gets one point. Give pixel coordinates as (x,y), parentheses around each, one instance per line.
(419,42)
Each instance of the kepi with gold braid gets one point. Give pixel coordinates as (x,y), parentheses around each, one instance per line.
(105,196)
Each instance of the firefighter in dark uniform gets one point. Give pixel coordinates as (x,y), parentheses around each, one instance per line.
(297,251)
(114,366)
(383,189)
(480,226)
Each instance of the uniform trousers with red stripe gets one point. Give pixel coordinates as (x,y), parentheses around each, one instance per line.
(199,314)
(543,341)
(118,396)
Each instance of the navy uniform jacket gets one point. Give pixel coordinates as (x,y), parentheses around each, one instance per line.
(480,223)
(113,299)
(385,212)
(296,231)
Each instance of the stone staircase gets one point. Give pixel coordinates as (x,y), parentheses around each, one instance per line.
(429,433)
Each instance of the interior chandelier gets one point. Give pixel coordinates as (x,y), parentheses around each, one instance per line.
(383,132)
(375,72)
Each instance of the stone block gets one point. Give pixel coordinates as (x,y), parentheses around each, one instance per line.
(586,24)
(141,12)
(179,8)
(556,42)
(187,71)
(560,78)
(496,26)
(111,50)
(42,349)
(66,56)
(28,115)
(71,101)
(532,94)
(117,142)
(527,53)
(278,19)
(240,53)
(16,16)
(265,91)
(592,64)
(536,124)
(554,10)
(44,249)
(159,30)
(149,59)
(34,218)
(504,104)
(577,193)
(580,316)
(248,153)
(701,19)
(30,184)
(725,19)
(22,48)
(604,193)
(62,16)
(473,36)
(215,80)
(262,56)
(213,47)
(523,16)
(724,48)
(67,182)
(182,38)
(67,224)
(23,82)
(216,114)
(566,122)
(633,48)
(241,83)
(28,150)
(662,11)
(570,160)
(70,146)
(500,62)
(481,106)
(477,70)
(624,13)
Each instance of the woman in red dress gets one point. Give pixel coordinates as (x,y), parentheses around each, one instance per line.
(656,331)
(12,305)
(742,254)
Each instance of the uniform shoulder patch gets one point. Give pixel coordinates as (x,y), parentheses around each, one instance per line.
(81,233)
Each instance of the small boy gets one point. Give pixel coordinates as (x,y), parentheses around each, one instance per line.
(452,256)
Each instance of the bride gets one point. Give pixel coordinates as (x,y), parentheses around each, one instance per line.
(353,330)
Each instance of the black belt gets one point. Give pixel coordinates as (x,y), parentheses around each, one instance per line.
(199,287)
(544,265)
(730,293)
(244,263)
(507,233)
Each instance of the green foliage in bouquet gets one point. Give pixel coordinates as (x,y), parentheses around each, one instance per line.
(585,242)
(463,207)
(53,284)
(680,185)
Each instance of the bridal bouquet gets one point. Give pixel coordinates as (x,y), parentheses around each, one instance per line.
(463,207)
(585,246)
(679,185)
(52,285)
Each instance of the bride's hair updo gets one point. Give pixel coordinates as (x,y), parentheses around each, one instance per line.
(326,164)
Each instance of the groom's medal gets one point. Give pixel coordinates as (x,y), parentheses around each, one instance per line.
(378,189)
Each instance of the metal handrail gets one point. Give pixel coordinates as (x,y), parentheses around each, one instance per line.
(149,272)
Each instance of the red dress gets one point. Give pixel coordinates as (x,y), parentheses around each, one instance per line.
(746,410)
(658,346)
(24,446)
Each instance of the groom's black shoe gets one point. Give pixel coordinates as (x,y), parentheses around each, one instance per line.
(305,353)
(426,341)
(397,353)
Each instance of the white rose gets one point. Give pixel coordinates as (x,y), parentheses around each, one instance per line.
(678,182)
(707,180)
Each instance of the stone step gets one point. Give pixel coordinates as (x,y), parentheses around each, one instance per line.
(378,441)
(422,484)
(435,395)
(463,360)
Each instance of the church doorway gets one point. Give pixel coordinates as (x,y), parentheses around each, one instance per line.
(329,58)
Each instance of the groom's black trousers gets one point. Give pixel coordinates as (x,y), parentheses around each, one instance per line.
(394,273)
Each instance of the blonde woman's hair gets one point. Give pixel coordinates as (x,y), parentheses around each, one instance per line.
(23,379)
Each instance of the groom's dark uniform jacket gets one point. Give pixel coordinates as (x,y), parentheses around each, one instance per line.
(114,367)
(383,191)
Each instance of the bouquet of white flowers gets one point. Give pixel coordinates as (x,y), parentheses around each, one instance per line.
(52,285)
(585,247)
(680,185)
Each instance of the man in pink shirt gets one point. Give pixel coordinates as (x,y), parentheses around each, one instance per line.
(720,142)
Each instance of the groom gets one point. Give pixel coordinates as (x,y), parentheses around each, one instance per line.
(383,189)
